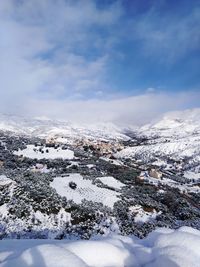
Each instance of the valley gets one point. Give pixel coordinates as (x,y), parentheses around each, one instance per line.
(62,181)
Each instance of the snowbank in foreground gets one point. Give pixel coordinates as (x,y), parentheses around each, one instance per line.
(162,248)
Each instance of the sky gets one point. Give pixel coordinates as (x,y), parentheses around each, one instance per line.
(121,61)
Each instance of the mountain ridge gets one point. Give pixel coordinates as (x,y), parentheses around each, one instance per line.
(187,120)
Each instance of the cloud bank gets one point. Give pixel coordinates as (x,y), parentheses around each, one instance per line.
(128,111)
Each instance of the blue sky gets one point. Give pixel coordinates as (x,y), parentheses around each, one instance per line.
(94,55)
(159,44)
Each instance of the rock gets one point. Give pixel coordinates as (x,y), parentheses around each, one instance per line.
(155,174)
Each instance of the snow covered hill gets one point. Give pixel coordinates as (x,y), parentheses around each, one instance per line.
(176,137)
(163,247)
(44,128)
(174,124)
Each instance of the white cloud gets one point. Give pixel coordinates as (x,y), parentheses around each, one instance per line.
(168,36)
(43,45)
(135,110)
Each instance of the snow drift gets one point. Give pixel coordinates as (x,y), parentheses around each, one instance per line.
(162,248)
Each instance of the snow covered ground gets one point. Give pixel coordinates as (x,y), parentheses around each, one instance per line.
(4,180)
(112,161)
(85,190)
(192,175)
(162,248)
(175,148)
(142,216)
(45,153)
(111,182)
(189,188)
(47,226)
(183,188)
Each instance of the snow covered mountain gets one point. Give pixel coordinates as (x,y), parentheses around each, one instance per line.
(175,137)
(44,128)
(174,124)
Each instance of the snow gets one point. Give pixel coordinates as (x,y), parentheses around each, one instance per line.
(162,248)
(62,217)
(5,127)
(4,211)
(48,153)
(4,180)
(179,123)
(108,254)
(142,216)
(111,182)
(64,131)
(85,190)
(176,136)
(45,255)
(192,175)
(173,184)
(112,161)
(40,168)
(48,226)
(7,182)
(176,148)
(90,166)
